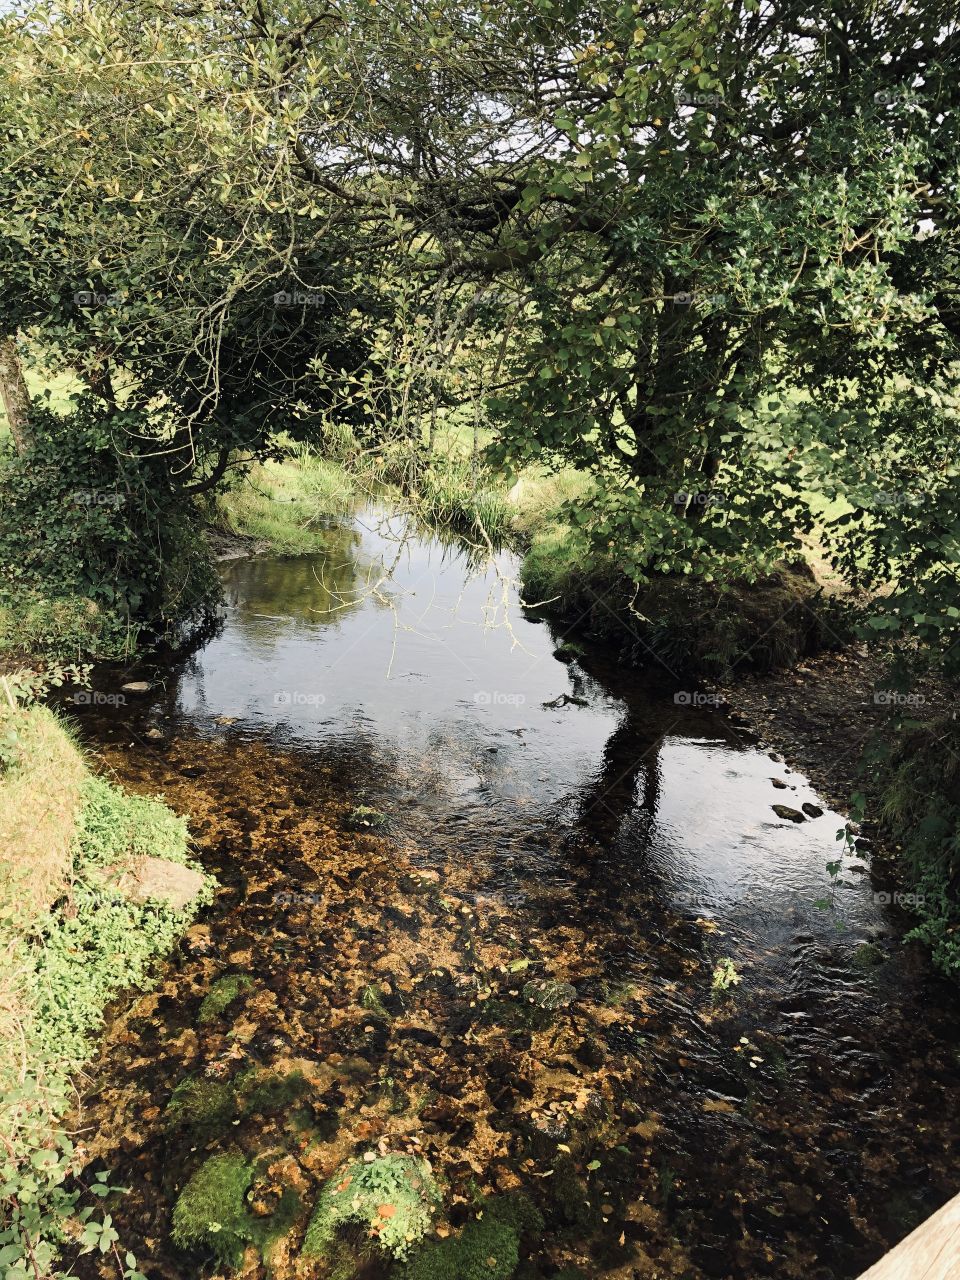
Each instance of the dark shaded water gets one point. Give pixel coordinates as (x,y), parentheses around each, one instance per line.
(574,824)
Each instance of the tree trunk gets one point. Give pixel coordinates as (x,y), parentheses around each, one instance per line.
(13,391)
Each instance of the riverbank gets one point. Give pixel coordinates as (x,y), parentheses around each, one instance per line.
(887,755)
(95,885)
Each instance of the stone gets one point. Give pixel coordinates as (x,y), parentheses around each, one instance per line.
(159,878)
(784,811)
(811,810)
(137,686)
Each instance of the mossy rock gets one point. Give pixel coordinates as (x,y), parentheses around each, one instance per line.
(211,1210)
(393,1196)
(488,1247)
(222,994)
(569,651)
(516,1210)
(485,1250)
(520,1015)
(547,993)
(202,1104)
(867,956)
(570,1204)
(363,818)
(270,1091)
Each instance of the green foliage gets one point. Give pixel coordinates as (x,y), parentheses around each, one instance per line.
(918,769)
(211,1211)
(222,994)
(725,976)
(394,1196)
(288,503)
(113,826)
(96,542)
(70,964)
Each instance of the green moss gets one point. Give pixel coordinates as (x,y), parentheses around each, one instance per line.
(514,1210)
(363,818)
(867,956)
(570,1202)
(487,1249)
(211,1211)
(272,1092)
(200,1103)
(520,1015)
(222,994)
(362,1191)
(279,1225)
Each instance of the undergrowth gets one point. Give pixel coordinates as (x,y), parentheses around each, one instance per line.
(62,968)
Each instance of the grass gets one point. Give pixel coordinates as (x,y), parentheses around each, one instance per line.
(40,795)
(70,941)
(62,628)
(288,504)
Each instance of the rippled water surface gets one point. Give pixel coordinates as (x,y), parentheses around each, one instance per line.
(551,819)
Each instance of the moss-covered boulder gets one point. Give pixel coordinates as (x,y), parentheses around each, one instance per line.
(202,1104)
(211,1211)
(222,994)
(394,1197)
(488,1248)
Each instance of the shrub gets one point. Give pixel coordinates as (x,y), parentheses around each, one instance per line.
(96,543)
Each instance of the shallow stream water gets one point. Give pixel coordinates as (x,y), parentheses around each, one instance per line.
(550,821)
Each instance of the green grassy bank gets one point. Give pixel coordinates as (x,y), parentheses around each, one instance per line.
(79,862)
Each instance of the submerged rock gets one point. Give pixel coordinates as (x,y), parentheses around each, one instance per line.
(160,880)
(784,811)
(211,1210)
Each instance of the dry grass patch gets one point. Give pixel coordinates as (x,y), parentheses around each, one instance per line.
(39,799)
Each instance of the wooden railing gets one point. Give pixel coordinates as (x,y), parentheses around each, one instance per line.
(932,1252)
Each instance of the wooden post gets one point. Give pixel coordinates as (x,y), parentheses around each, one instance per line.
(932,1252)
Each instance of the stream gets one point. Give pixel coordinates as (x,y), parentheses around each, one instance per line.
(478,891)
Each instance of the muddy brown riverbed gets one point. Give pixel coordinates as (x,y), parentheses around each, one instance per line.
(598,855)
